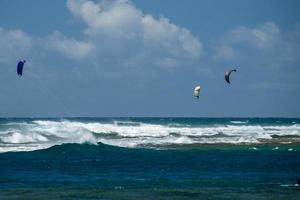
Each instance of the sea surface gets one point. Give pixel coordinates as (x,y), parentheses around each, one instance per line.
(149,158)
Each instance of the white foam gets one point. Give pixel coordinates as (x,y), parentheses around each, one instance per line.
(16,138)
(275,148)
(239,122)
(253,148)
(41,134)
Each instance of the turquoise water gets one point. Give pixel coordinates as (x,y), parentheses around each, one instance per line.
(149,158)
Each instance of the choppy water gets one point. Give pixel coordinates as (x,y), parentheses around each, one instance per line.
(149,158)
(33,134)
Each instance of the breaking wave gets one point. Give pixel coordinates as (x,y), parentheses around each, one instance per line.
(239,122)
(41,134)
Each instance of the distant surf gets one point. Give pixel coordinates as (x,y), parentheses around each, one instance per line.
(239,122)
(34,134)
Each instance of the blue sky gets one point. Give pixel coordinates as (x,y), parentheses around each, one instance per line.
(143,58)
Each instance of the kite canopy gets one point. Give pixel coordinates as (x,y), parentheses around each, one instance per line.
(20,67)
(227,75)
(197,91)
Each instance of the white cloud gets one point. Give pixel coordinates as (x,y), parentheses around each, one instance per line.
(121,31)
(266,41)
(226,52)
(263,36)
(14,44)
(117,37)
(171,37)
(69,47)
(109,16)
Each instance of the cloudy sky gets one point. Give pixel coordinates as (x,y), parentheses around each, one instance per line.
(144,58)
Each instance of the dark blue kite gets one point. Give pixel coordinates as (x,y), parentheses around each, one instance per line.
(20,67)
(227,75)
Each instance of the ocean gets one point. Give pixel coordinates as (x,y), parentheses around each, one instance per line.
(149,158)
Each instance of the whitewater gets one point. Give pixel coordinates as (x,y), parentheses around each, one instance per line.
(34,134)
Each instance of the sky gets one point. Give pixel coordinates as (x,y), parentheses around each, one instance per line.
(143,58)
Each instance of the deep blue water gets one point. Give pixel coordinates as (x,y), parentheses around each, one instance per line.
(186,169)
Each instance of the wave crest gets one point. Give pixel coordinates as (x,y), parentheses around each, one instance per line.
(40,134)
